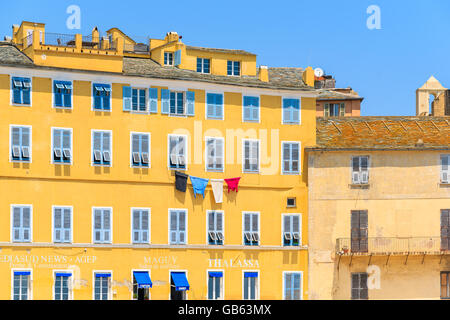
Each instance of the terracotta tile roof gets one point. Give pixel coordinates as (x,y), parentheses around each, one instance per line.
(383,133)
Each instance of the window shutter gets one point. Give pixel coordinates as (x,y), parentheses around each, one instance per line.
(26,91)
(355,170)
(342,110)
(286,111)
(177,58)
(126,98)
(153,95)
(26,223)
(355,231)
(445,230)
(219,106)
(57,225)
(363,232)
(288,286)
(326,110)
(190,103)
(67,225)
(17,89)
(165,101)
(445,169)
(296,110)
(296,285)
(182,227)
(58,94)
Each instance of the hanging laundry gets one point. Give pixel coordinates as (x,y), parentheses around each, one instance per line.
(199,185)
(232,184)
(217,188)
(181,181)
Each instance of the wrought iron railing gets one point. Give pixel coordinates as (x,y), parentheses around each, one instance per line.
(136,48)
(393,245)
(59,40)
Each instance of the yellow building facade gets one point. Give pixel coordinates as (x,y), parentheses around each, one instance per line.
(379,201)
(94,132)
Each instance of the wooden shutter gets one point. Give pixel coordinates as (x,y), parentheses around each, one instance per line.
(153,97)
(127,100)
(165,101)
(445,172)
(177,58)
(190,103)
(445,229)
(355,231)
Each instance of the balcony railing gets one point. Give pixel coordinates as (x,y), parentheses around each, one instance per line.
(391,246)
(136,48)
(59,39)
(68,40)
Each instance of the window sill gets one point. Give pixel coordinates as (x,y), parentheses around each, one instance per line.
(444,184)
(21,161)
(62,163)
(63,108)
(250,172)
(20,105)
(359,185)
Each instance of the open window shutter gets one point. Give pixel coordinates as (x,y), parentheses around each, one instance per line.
(342,110)
(363,231)
(355,231)
(153,95)
(26,92)
(165,101)
(326,110)
(68,95)
(190,103)
(17,91)
(126,98)
(177,60)
(58,95)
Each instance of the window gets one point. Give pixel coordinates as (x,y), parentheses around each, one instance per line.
(334,110)
(101,148)
(62,145)
(62,94)
(178,285)
(21,91)
(291,202)
(102,286)
(291,111)
(360,290)
(445,169)
(251,229)
(168,58)
(21,223)
(215,154)
(251,156)
(250,285)
(102,225)
(139,100)
(177,152)
(21,285)
(215,285)
(141,225)
(178,103)
(62,286)
(141,288)
(291,230)
(21,144)
(215,228)
(135,99)
(178,226)
(203,65)
(234,68)
(445,285)
(360,170)
(102,97)
(359,231)
(214,106)
(251,109)
(445,230)
(292,286)
(62,224)
(140,150)
(291,158)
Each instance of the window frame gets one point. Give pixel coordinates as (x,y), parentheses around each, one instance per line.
(291,173)
(62,219)
(203,65)
(252,232)
(12,206)
(149,212)
(291,122)
(441,167)
(222,284)
(12,103)
(30,283)
(52,155)
(233,66)
(186,227)
(186,152)
(369,164)
(301,283)
(207,138)
(359,284)
(300,226)
(132,165)
(146,97)
(249,171)
(132,282)
(258,96)
(257,283)
(93,164)
(11,126)
(93,97)
(169,53)
(208,212)
(207,117)
(63,107)
(94,272)
(176,92)
(70,284)
(111,226)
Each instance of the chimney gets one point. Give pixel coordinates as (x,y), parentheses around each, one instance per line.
(308,77)
(172,36)
(263,73)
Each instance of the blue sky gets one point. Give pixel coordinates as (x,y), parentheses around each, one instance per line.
(385,66)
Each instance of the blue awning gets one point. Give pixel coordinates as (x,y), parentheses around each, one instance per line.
(22,273)
(216,274)
(180,281)
(103,275)
(63,274)
(143,279)
(251,275)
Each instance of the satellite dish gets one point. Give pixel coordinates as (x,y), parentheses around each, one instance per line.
(318,72)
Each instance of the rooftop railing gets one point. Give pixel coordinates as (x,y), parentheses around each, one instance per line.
(390,246)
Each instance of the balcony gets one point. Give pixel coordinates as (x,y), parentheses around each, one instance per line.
(69,41)
(390,246)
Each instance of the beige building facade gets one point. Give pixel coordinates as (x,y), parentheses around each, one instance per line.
(379,200)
